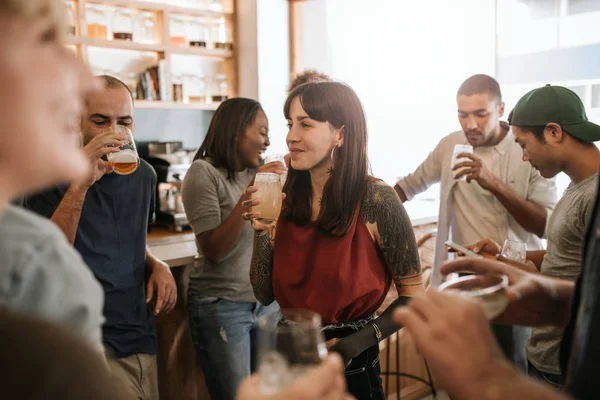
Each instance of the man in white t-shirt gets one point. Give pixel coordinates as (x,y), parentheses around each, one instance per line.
(502,197)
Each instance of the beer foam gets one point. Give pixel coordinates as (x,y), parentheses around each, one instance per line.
(123,156)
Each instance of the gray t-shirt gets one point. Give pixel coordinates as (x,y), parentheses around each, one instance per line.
(42,275)
(208,199)
(566,232)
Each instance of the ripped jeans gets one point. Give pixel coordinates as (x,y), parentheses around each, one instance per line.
(224,335)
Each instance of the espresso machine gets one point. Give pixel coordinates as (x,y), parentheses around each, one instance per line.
(171,162)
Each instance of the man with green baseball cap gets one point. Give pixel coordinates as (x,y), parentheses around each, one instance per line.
(559,105)
(550,125)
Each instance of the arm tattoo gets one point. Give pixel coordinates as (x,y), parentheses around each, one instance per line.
(261,268)
(395,237)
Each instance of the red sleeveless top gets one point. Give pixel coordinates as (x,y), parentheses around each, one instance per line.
(341,278)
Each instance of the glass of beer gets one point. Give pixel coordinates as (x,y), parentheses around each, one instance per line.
(126,160)
(278,157)
(290,343)
(488,288)
(269,194)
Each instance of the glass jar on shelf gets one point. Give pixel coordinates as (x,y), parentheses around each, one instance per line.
(123,24)
(145,28)
(177,82)
(221,88)
(195,88)
(177,31)
(220,35)
(97,22)
(71,17)
(196,32)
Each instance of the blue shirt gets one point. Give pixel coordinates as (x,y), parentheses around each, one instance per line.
(111,238)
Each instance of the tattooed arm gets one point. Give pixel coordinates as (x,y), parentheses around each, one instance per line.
(390,225)
(261,268)
(392,230)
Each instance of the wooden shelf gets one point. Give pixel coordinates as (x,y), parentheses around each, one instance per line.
(122,44)
(158,48)
(158,7)
(201,51)
(171,105)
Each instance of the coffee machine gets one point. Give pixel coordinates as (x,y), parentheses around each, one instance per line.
(171,162)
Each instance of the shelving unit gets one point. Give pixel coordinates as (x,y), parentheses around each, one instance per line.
(171,105)
(134,57)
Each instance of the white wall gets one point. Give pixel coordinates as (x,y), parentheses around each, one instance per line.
(405,60)
(263,37)
(274,67)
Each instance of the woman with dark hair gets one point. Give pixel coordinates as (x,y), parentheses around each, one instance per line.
(223,311)
(342,236)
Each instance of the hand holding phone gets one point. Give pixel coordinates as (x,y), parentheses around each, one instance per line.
(462,249)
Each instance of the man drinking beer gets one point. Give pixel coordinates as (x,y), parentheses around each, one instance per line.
(106,216)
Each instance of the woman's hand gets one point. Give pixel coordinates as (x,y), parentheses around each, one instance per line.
(248,203)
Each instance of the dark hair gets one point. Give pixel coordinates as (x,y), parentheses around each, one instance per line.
(308,75)
(538,130)
(337,104)
(110,82)
(226,128)
(478,84)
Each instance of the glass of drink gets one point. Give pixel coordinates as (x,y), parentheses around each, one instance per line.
(514,250)
(489,289)
(269,194)
(458,149)
(290,342)
(126,160)
(277,157)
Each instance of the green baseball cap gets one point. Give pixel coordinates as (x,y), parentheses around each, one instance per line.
(555,104)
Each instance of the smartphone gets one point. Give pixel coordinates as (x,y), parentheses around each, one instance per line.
(463,250)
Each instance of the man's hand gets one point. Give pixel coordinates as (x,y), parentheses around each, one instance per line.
(533,299)
(475,170)
(105,143)
(162,283)
(455,337)
(323,382)
(485,247)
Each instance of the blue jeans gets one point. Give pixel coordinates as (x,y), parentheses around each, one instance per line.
(223,334)
(513,342)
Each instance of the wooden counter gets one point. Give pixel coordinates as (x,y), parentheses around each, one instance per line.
(176,249)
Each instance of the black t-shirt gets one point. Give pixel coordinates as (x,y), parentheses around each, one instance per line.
(111,238)
(580,347)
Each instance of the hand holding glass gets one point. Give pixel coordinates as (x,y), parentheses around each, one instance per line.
(126,160)
(274,158)
(488,288)
(269,195)
(289,343)
(514,250)
(458,149)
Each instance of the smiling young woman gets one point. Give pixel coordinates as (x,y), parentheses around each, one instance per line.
(222,307)
(343,236)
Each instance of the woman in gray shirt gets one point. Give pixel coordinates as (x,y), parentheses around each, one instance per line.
(223,311)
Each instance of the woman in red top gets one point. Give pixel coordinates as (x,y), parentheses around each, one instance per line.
(342,236)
